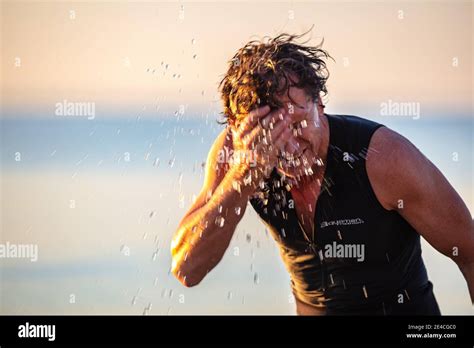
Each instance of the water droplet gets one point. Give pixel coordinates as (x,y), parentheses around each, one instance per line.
(229,295)
(147,309)
(255,278)
(193,41)
(237,210)
(220,221)
(365,292)
(195,56)
(248,238)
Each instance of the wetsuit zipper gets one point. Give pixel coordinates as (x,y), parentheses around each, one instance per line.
(317,251)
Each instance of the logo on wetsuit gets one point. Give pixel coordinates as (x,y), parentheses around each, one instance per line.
(342,222)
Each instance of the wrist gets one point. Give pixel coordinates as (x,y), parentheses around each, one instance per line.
(246,179)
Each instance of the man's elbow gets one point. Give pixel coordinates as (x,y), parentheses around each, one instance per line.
(188,278)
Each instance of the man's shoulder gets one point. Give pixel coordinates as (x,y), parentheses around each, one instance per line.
(386,146)
(352,120)
(352,133)
(389,156)
(352,126)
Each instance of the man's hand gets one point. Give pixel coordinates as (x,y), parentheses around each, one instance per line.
(260,137)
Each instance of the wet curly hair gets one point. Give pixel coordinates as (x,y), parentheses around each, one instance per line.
(263,70)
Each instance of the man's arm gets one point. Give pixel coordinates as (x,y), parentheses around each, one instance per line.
(403,179)
(201,239)
(205,232)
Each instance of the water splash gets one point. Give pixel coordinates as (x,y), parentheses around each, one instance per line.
(147,309)
(220,221)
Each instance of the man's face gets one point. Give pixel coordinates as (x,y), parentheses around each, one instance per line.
(299,154)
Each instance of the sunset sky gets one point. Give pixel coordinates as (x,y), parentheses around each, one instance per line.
(100,52)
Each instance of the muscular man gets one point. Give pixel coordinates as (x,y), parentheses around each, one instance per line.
(345,198)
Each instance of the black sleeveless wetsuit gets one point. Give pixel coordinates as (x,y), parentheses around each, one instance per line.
(389,277)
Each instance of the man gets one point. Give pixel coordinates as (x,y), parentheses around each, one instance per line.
(345,198)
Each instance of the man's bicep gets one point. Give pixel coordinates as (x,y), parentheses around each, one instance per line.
(437,212)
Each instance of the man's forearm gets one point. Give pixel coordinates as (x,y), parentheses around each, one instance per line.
(204,235)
